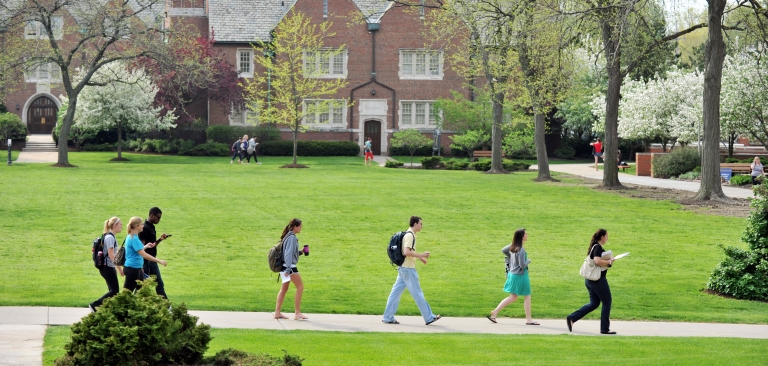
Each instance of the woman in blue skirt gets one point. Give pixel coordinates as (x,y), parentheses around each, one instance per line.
(518,283)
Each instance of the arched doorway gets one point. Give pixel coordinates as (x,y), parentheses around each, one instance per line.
(41,116)
(373,130)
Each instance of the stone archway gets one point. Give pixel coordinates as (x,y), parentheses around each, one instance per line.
(40,114)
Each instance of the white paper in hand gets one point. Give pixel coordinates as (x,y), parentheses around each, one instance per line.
(284,277)
(621,255)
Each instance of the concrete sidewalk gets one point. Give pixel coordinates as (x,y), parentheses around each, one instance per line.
(38,156)
(588,171)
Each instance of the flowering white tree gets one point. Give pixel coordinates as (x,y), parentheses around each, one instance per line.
(123,102)
(744,99)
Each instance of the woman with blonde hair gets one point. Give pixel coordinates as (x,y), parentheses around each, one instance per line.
(290,259)
(757,170)
(135,254)
(109,242)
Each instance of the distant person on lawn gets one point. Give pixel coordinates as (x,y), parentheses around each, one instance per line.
(236,151)
(290,259)
(757,170)
(368,150)
(518,283)
(598,153)
(109,272)
(135,255)
(252,150)
(147,236)
(408,278)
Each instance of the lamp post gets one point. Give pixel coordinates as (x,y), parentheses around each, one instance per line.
(9,152)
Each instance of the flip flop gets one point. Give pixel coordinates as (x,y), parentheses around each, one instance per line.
(281,317)
(532,323)
(493,320)
(300,318)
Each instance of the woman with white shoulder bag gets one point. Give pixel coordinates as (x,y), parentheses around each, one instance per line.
(598,289)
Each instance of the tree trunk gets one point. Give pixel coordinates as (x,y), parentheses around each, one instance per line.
(611,171)
(119,141)
(541,147)
(731,141)
(496,138)
(66,124)
(295,145)
(710,188)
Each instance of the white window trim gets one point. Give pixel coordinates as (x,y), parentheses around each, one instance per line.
(58,33)
(34,77)
(330,75)
(427,125)
(440,74)
(237,62)
(241,118)
(330,124)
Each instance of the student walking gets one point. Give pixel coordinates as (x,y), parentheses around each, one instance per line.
(135,255)
(599,291)
(252,150)
(109,272)
(236,151)
(598,153)
(290,273)
(368,150)
(518,283)
(244,148)
(408,278)
(148,235)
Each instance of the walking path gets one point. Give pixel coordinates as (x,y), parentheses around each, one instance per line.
(22,328)
(43,155)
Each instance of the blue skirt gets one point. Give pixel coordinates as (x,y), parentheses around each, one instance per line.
(518,284)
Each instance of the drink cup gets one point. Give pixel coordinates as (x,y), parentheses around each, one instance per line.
(306,250)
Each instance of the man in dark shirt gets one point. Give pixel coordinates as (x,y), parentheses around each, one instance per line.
(149,235)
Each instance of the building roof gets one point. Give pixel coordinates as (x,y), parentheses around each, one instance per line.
(245,21)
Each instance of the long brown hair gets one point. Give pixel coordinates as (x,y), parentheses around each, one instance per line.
(292,224)
(517,240)
(599,234)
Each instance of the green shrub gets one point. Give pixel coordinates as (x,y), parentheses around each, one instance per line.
(232,357)
(229,134)
(678,161)
(482,165)
(310,148)
(207,149)
(456,165)
(422,151)
(11,127)
(740,180)
(185,146)
(732,160)
(100,147)
(137,330)
(565,152)
(433,162)
(743,274)
(513,166)
(132,145)
(393,164)
(690,175)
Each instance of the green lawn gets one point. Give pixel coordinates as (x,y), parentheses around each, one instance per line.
(336,348)
(225,217)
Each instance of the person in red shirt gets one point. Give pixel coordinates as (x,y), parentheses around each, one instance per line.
(598,151)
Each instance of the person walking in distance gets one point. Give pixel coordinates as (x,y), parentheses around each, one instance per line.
(135,255)
(252,150)
(368,150)
(244,149)
(149,236)
(518,283)
(109,272)
(408,278)
(599,291)
(598,153)
(236,151)
(290,271)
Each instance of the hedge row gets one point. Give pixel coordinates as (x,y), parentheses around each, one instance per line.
(230,134)
(310,148)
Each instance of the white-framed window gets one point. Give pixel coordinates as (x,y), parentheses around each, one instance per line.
(325,63)
(45,73)
(421,64)
(245,62)
(325,112)
(35,29)
(418,113)
(245,117)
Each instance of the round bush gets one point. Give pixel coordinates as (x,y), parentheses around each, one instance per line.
(310,148)
(678,161)
(207,149)
(740,180)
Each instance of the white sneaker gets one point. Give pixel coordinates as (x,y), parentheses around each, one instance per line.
(258,163)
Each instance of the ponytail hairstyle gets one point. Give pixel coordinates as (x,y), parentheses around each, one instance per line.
(517,240)
(599,234)
(292,224)
(109,224)
(134,223)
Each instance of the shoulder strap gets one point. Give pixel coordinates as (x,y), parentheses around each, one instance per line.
(414,239)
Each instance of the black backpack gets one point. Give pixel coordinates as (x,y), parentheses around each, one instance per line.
(98,253)
(395,248)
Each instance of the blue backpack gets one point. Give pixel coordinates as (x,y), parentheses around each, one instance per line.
(395,248)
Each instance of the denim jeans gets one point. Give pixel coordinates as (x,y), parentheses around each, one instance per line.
(407,278)
(113,285)
(599,291)
(152,269)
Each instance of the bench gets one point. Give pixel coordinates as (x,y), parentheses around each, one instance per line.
(484,154)
(624,167)
(737,168)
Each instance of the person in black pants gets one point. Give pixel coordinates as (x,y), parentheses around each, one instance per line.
(599,291)
(109,272)
(147,236)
